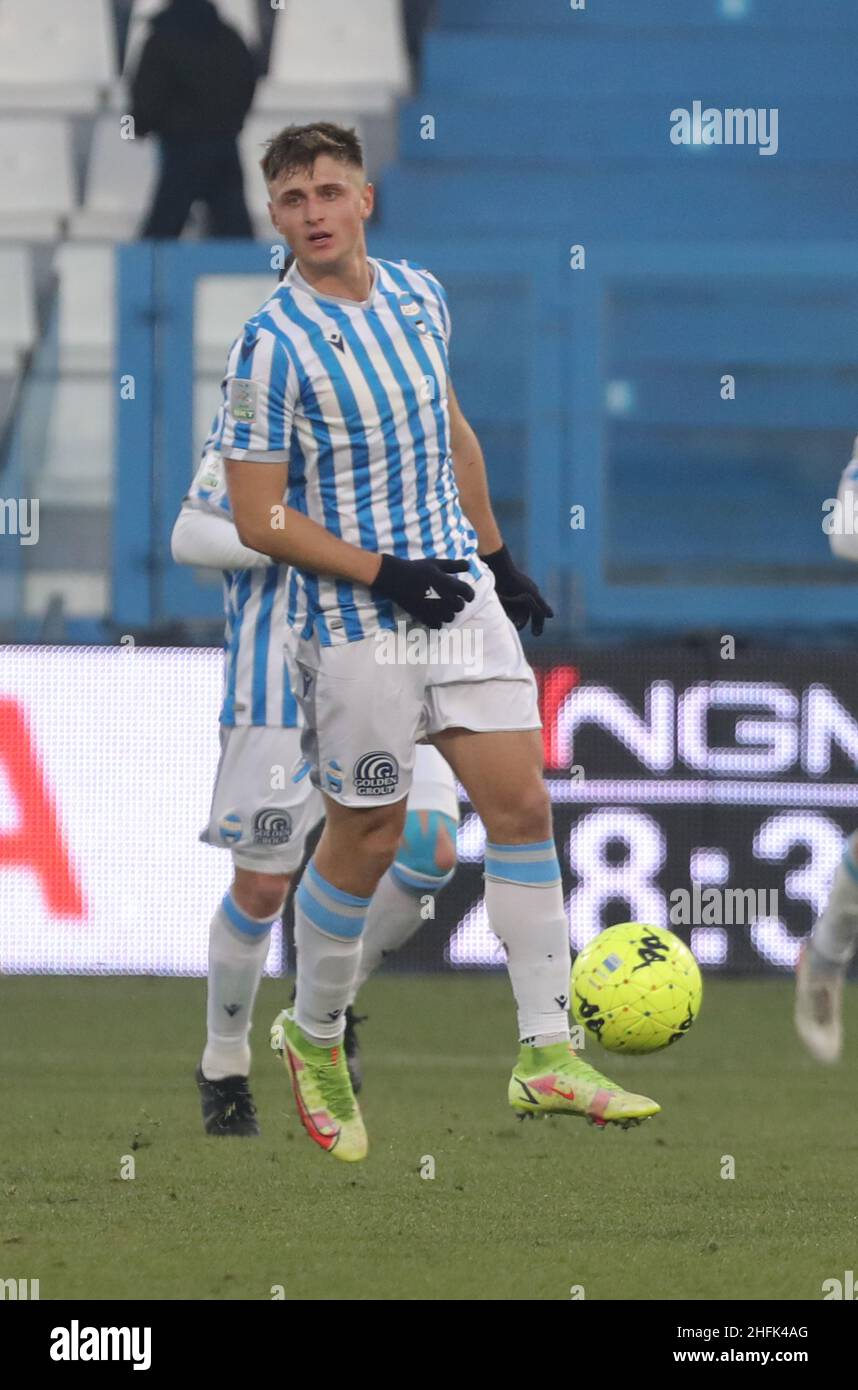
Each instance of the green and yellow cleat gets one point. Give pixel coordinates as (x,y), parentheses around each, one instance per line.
(554,1081)
(322,1089)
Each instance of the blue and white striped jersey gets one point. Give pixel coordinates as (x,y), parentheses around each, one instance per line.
(256,686)
(353,396)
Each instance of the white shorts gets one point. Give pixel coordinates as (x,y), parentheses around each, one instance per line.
(266,829)
(264,804)
(367,704)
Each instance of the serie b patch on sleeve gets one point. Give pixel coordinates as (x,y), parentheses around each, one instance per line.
(242,399)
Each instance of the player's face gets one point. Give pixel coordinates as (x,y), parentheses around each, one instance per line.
(321,213)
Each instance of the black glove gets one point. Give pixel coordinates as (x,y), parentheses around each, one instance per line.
(407,583)
(521,599)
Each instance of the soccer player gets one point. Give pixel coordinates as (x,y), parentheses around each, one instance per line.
(338,396)
(825,957)
(264,806)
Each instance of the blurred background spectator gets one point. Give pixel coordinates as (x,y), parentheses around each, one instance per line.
(419,15)
(193,89)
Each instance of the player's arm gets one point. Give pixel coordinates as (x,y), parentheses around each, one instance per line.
(519,595)
(262,393)
(469,466)
(428,589)
(209,540)
(265,523)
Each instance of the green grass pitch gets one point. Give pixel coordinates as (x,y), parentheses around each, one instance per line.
(95,1069)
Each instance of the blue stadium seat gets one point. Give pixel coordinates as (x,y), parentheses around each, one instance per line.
(693,201)
(794,326)
(558,16)
(568,131)
(715,67)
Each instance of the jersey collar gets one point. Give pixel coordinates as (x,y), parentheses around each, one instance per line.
(295,279)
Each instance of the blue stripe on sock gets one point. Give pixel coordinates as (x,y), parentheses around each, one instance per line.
(523,849)
(325,919)
(315,897)
(538,874)
(248,926)
(338,894)
(502,862)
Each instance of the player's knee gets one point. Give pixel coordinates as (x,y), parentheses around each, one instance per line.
(259,895)
(378,844)
(426,857)
(381,851)
(524,819)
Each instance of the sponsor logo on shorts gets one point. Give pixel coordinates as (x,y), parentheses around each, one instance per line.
(230,828)
(375,774)
(272,827)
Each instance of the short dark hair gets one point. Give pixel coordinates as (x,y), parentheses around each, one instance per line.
(297,147)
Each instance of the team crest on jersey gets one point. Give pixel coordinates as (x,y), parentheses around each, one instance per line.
(412,310)
(242,399)
(333,776)
(272,827)
(375,774)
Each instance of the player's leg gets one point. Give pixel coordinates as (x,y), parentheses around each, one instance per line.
(360,725)
(424,864)
(483,716)
(404,899)
(824,962)
(502,772)
(265,830)
(239,938)
(484,719)
(356,848)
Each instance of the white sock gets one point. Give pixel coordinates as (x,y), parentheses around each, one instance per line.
(238,946)
(524,900)
(835,935)
(328,927)
(395,913)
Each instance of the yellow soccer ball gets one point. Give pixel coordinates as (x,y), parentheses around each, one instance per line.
(636,988)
